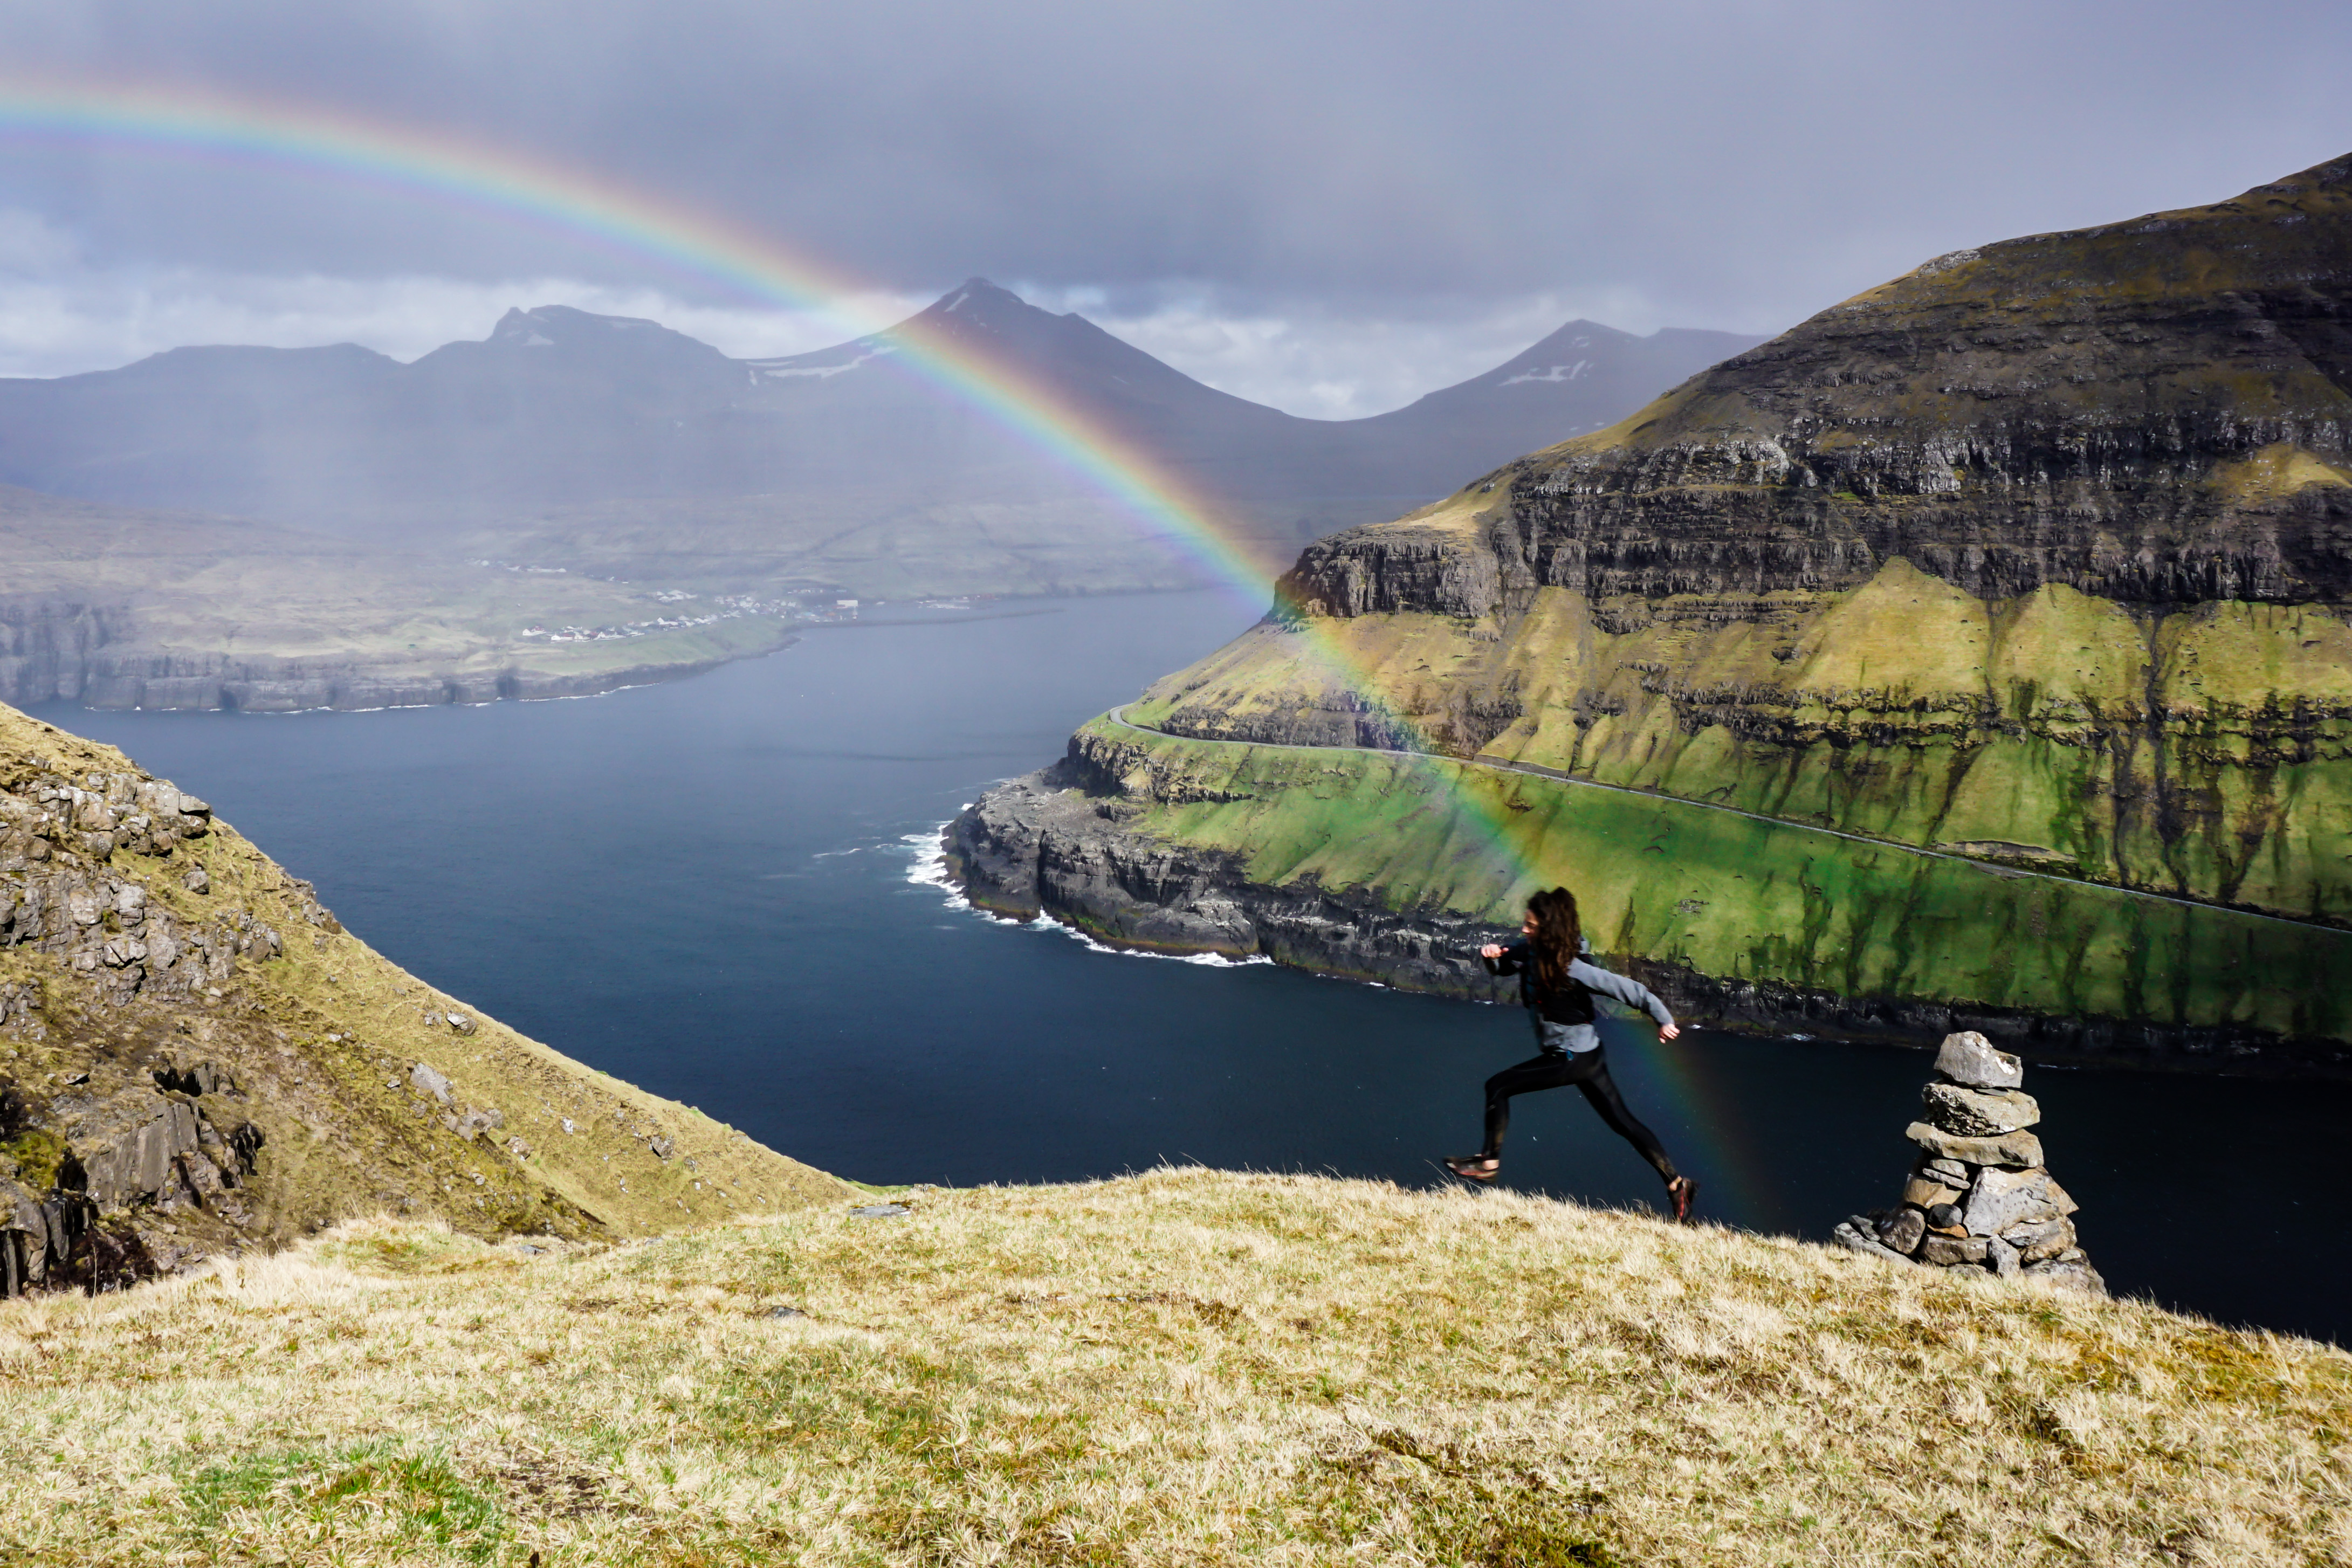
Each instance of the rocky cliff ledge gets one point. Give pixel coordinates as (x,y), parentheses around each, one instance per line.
(196,1059)
(2153,412)
(1062,842)
(1394,867)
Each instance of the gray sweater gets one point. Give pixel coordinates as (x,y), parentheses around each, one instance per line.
(1564,1018)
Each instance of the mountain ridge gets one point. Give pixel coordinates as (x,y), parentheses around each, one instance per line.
(562,407)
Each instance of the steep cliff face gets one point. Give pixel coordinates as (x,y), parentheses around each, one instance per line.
(1393,867)
(195,1057)
(2153,412)
(2038,559)
(2041,552)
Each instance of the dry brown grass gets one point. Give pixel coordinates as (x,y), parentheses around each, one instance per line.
(1184,1366)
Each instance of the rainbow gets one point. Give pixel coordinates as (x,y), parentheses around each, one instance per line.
(513,188)
(517,189)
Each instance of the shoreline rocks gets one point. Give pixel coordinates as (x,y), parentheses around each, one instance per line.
(1069,842)
(1978,1196)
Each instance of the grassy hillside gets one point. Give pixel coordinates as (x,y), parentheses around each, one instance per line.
(1184,1366)
(2203,752)
(196,1059)
(1666,881)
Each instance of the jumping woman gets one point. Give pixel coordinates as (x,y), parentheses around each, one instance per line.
(1556,986)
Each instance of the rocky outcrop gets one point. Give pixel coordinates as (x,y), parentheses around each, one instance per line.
(2152,412)
(1043,844)
(60,895)
(196,1060)
(1393,567)
(1979,1198)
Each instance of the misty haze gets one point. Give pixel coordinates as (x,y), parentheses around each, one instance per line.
(1173,619)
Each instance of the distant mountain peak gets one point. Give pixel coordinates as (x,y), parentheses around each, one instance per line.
(545,326)
(977,302)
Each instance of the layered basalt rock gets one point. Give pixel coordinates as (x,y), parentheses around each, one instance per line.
(2155,412)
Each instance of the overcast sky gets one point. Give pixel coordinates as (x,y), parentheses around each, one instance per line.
(1329,207)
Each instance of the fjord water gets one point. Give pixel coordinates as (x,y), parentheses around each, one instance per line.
(705,888)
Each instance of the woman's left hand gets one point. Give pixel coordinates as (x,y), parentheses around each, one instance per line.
(1668,1031)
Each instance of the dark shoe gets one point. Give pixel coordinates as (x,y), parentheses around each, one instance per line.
(1682,1193)
(1467,1167)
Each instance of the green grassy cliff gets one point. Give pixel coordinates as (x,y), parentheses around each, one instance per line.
(1744,903)
(2039,557)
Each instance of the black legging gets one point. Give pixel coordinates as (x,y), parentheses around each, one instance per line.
(1588,1072)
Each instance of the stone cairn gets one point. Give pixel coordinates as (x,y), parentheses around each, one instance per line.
(1978,1196)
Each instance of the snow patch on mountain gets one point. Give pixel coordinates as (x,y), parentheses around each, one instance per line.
(786,369)
(1556,372)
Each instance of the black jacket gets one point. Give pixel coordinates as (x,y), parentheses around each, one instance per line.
(1574,1003)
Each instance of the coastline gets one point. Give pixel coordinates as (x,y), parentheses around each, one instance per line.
(1098,842)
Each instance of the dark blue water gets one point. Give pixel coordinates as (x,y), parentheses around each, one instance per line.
(704,888)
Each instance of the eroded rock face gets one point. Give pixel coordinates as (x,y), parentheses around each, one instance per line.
(2039,557)
(80,1169)
(2062,408)
(59,893)
(1041,845)
(143,1160)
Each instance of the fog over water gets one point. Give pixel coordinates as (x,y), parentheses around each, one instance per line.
(709,889)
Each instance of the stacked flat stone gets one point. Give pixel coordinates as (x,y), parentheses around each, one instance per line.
(1978,1196)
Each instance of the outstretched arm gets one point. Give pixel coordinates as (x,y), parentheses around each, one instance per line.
(1631,992)
(1502,959)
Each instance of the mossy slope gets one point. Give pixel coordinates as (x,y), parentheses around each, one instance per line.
(120,977)
(2204,753)
(1778,905)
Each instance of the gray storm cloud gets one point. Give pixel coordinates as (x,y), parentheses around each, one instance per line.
(1730,164)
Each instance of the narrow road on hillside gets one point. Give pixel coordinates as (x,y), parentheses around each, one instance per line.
(1990,867)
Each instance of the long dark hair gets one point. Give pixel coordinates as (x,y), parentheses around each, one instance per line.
(1554,943)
